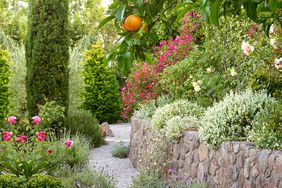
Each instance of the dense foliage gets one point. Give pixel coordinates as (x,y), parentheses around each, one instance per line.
(82,122)
(266,12)
(233,117)
(176,108)
(221,65)
(47,53)
(4,83)
(101,94)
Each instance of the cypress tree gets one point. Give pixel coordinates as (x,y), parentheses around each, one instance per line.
(47,53)
(4,83)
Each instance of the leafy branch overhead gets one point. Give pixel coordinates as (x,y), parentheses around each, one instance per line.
(158,18)
(265,12)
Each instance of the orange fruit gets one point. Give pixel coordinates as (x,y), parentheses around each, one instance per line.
(133,22)
(123,27)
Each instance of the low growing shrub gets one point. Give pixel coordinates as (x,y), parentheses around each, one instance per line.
(177,108)
(9,181)
(83,122)
(38,180)
(53,115)
(77,150)
(232,118)
(176,125)
(120,151)
(87,178)
(147,110)
(148,180)
(267,128)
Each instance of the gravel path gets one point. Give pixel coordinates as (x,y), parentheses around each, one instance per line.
(120,169)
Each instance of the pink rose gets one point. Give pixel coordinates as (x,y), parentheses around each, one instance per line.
(41,136)
(247,48)
(12,120)
(19,139)
(68,143)
(7,136)
(36,120)
(24,137)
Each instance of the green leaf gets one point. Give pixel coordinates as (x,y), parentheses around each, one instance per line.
(183,12)
(106,20)
(40,167)
(148,58)
(215,12)
(251,9)
(120,13)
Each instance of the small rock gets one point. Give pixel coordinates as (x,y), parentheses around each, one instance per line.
(106,130)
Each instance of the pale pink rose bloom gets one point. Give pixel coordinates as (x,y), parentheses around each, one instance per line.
(68,143)
(247,48)
(12,120)
(36,120)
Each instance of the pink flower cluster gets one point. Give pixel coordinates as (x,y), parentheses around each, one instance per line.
(68,143)
(172,51)
(192,25)
(142,85)
(7,136)
(41,136)
(21,139)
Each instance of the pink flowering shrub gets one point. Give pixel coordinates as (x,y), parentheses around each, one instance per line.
(172,51)
(22,130)
(192,26)
(141,85)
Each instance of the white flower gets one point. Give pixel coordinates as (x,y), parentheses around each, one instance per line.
(233,72)
(22,4)
(247,48)
(273,43)
(196,86)
(278,63)
(209,70)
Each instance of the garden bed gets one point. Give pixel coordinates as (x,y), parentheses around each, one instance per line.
(233,164)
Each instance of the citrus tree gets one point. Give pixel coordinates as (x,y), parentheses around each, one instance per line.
(140,24)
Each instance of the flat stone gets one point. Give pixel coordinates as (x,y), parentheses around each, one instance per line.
(253,154)
(203,152)
(254,171)
(235,174)
(247,168)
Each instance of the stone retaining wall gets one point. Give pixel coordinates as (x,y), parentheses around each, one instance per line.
(234,164)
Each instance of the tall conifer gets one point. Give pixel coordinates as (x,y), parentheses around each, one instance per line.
(47,53)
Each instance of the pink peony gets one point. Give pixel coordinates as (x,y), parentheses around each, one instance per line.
(7,136)
(41,136)
(247,48)
(36,120)
(12,120)
(68,143)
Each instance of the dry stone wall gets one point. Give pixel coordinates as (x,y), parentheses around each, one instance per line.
(233,164)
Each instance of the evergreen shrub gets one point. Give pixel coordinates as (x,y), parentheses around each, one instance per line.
(101,95)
